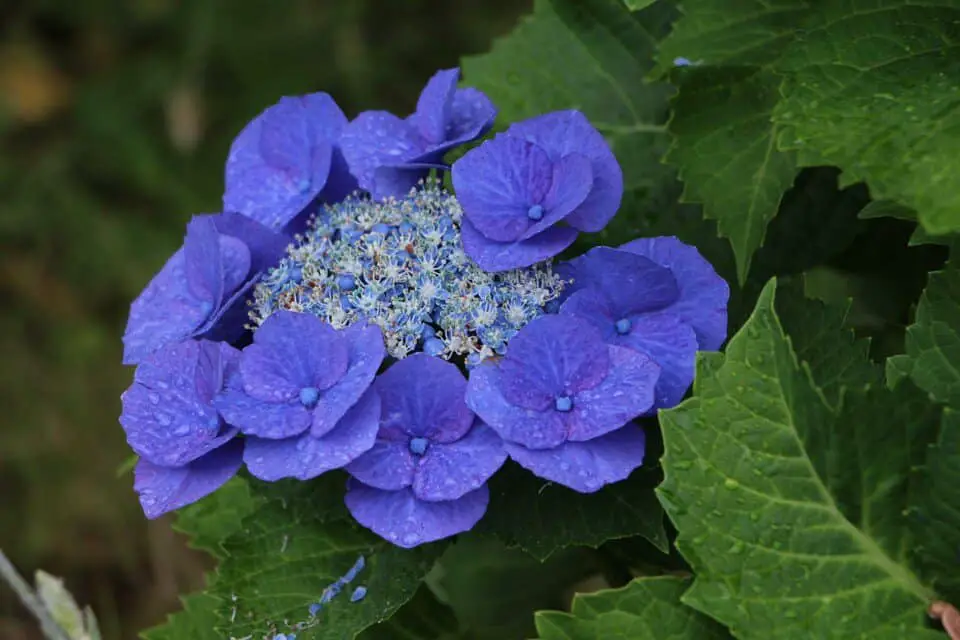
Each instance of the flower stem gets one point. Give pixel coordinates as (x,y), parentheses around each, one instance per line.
(47,624)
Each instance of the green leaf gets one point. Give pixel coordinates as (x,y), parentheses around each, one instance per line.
(644,609)
(422,618)
(725,147)
(197,621)
(637,5)
(215,518)
(933,340)
(589,55)
(298,541)
(876,91)
(789,508)
(541,517)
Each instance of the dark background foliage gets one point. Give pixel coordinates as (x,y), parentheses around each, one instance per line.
(115,118)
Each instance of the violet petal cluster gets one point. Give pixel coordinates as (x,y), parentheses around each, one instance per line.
(299,395)
(389,155)
(562,400)
(186,449)
(425,477)
(285,160)
(528,192)
(200,291)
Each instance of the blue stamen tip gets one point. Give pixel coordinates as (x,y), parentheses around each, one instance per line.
(433,346)
(623,326)
(381,228)
(309,396)
(346,282)
(535,212)
(358,594)
(418,446)
(564,403)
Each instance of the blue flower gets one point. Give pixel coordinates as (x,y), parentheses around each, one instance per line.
(526,193)
(300,396)
(654,295)
(200,291)
(562,399)
(287,158)
(425,478)
(186,450)
(389,155)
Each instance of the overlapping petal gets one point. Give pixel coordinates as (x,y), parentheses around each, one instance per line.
(494,256)
(449,471)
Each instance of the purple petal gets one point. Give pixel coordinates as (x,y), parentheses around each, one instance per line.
(375,139)
(534,429)
(266,246)
(672,344)
(423,396)
(592,305)
(292,351)
(471,115)
(434,106)
(164,312)
(703,297)
(498,182)
(570,184)
(260,418)
(495,256)
(564,132)
(163,489)
(449,471)
(280,162)
(389,465)
(397,181)
(365,354)
(398,517)
(632,283)
(307,456)
(586,466)
(626,393)
(558,355)
(204,268)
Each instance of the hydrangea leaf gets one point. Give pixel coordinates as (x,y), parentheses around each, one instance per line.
(589,55)
(541,517)
(423,618)
(637,5)
(298,541)
(725,147)
(197,621)
(875,90)
(937,520)
(212,520)
(933,340)
(644,609)
(789,511)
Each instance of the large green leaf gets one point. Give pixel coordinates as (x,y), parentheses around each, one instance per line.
(875,89)
(644,609)
(423,617)
(541,517)
(197,621)
(789,507)
(933,340)
(297,542)
(215,518)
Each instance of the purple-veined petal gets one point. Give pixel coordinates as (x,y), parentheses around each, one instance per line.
(626,393)
(534,429)
(164,489)
(571,180)
(672,344)
(398,180)
(586,466)
(202,263)
(375,139)
(260,418)
(558,355)
(266,246)
(434,105)
(495,256)
(561,133)
(471,115)
(365,354)
(423,396)
(398,517)
(389,465)
(292,351)
(497,183)
(703,296)
(593,306)
(307,456)
(448,471)
(633,284)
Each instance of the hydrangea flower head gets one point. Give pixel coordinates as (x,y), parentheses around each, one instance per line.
(655,295)
(425,478)
(562,399)
(186,450)
(400,264)
(200,291)
(528,192)
(285,159)
(389,155)
(300,396)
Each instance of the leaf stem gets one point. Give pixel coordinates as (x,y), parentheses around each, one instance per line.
(47,624)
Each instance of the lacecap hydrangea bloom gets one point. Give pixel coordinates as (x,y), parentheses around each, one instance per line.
(411,336)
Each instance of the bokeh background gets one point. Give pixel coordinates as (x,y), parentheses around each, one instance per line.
(115,120)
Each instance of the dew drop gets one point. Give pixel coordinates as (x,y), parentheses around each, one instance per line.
(163,419)
(410,539)
(154,398)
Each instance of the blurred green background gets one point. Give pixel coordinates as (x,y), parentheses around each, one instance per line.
(115,120)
